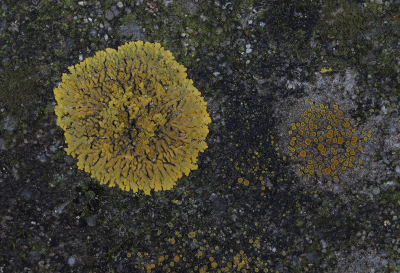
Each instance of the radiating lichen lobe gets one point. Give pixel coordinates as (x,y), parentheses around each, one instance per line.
(132,118)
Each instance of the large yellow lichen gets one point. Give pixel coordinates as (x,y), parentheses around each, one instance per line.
(132,118)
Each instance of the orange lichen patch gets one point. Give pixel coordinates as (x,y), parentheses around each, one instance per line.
(336,162)
(328,144)
(132,118)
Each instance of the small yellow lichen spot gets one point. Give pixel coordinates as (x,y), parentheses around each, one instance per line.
(214,265)
(325,70)
(176,259)
(240,180)
(246,182)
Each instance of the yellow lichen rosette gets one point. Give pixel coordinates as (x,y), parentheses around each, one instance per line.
(132,117)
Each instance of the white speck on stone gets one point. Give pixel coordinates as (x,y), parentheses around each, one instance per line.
(81,3)
(262,24)
(167,2)
(216,73)
(33,223)
(376,191)
(80,57)
(249,50)
(250,22)
(384,110)
(71,261)
(397,169)
(274,249)
(119,4)
(106,37)
(248,61)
